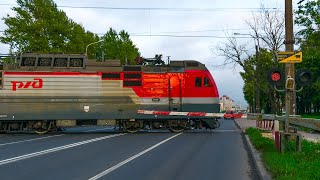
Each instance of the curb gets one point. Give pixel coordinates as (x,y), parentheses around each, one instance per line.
(263,174)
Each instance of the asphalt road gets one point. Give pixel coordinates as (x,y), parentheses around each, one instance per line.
(100,153)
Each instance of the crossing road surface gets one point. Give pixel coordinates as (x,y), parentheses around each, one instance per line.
(101,153)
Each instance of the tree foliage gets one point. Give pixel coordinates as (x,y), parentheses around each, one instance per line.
(308,18)
(39,26)
(117,46)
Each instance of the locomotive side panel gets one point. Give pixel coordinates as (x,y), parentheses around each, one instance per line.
(161,91)
(46,96)
(179,92)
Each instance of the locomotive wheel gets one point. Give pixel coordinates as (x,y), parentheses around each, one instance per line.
(177,126)
(44,129)
(131,126)
(217,123)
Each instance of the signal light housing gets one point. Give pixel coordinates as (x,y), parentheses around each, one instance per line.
(290,83)
(276,77)
(303,77)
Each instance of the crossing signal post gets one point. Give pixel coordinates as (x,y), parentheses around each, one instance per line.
(276,77)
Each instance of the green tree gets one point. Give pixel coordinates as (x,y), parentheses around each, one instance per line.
(117,46)
(39,26)
(268,94)
(308,18)
(128,51)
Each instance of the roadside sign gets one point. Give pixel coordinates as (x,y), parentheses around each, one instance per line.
(290,57)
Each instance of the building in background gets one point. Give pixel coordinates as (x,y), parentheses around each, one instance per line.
(226,103)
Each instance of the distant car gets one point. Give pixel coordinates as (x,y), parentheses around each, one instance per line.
(232,115)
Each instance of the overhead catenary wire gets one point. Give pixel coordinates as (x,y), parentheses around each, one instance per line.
(246,9)
(182,34)
(177,36)
(193,31)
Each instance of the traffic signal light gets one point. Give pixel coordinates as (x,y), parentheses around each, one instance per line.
(276,77)
(303,77)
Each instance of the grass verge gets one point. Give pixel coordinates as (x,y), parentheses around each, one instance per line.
(291,165)
(315,116)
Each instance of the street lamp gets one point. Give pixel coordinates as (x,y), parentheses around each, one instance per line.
(92,44)
(254,91)
(256,71)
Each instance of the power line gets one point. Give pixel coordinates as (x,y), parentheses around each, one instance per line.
(162,9)
(173,32)
(156,9)
(173,36)
(195,31)
(184,36)
(205,30)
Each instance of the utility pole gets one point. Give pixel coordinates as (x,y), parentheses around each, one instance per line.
(290,87)
(257,78)
(289,42)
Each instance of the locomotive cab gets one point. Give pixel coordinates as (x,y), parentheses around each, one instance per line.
(201,88)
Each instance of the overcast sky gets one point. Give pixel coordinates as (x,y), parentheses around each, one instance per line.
(213,18)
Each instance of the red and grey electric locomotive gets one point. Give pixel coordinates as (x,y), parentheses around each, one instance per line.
(43,92)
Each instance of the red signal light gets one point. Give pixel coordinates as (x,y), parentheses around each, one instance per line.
(275,77)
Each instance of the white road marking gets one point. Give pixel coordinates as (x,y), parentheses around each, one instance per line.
(28,140)
(131,158)
(26,156)
(99,129)
(212,131)
(17,142)
(226,130)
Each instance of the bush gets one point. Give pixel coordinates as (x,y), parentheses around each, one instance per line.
(290,165)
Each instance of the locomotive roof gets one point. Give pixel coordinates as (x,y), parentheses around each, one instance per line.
(79,62)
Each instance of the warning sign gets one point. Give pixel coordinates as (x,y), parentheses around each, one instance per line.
(290,57)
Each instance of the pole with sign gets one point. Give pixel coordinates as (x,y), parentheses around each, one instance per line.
(277,77)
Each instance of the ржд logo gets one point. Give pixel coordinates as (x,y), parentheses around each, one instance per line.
(36,84)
